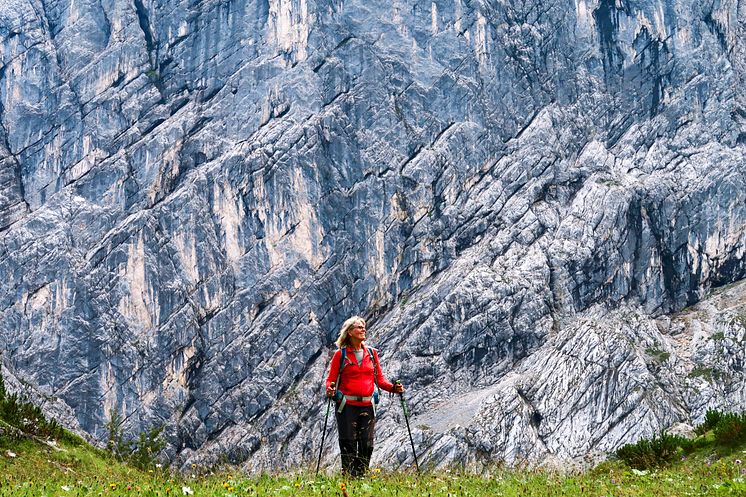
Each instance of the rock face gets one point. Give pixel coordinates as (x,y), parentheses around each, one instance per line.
(519,196)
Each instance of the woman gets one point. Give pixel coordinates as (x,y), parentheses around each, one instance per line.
(354,372)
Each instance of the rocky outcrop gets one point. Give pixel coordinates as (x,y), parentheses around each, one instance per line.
(519,196)
(608,379)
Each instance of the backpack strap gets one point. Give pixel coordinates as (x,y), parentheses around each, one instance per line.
(377,392)
(342,364)
(373,360)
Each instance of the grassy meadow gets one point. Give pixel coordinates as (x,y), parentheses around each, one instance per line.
(40,458)
(31,468)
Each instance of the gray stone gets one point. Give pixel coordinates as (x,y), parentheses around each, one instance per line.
(520,197)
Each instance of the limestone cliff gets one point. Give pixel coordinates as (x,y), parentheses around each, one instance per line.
(518,195)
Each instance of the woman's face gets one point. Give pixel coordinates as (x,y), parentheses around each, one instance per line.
(358,331)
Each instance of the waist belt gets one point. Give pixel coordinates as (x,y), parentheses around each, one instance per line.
(357,398)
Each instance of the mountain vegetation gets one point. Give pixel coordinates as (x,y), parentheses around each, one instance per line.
(40,458)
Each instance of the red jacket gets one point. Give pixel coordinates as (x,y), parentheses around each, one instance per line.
(358,380)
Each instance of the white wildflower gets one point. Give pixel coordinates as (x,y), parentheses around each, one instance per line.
(187,491)
(10,454)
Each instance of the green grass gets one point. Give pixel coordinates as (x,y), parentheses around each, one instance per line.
(31,465)
(40,470)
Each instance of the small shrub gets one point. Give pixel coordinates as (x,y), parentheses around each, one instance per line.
(25,418)
(145,449)
(661,355)
(115,443)
(730,429)
(712,418)
(657,451)
(141,452)
(709,374)
(17,412)
(2,384)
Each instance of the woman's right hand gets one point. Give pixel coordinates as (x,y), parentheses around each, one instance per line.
(330,390)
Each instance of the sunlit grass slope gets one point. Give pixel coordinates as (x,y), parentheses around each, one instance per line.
(32,468)
(39,458)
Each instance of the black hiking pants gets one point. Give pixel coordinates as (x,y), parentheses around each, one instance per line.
(356,427)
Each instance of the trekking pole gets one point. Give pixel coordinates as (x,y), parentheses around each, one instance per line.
(323,433)
(406,418)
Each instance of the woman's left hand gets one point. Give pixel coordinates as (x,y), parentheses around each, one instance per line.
(398,388)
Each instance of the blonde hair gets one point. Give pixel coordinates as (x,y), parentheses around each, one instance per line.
(343,338)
